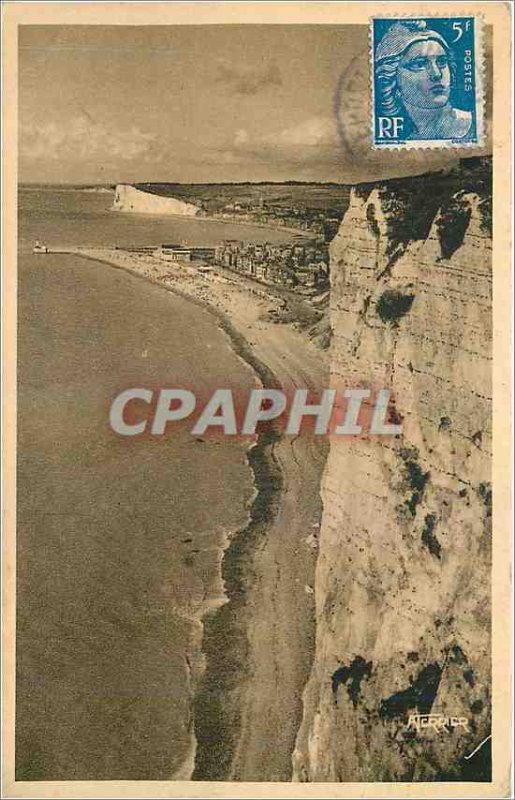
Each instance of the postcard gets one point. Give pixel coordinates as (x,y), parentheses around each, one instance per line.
(257,400)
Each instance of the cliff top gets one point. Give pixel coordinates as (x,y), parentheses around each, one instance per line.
(410,205)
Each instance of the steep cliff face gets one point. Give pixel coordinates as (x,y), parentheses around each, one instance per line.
(128,198)
(403,574)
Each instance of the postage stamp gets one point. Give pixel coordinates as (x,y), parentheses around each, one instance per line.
(426,82)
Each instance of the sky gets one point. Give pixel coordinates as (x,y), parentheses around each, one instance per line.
(106,104)
(203,104)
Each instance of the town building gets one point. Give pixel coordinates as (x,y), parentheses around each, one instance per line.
(177,252)
(300,264)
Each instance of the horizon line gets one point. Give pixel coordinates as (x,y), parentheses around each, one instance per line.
(184,183)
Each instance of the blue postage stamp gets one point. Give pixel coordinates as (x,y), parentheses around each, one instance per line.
(426,82)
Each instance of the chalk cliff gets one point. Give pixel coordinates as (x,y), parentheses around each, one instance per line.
(403,573)
(128,198)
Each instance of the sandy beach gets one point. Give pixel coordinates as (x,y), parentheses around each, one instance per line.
(267,626)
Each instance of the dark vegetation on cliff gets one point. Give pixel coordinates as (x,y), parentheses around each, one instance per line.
(415,479)
(392,305)
(420,694)
(412,204)
(352,675)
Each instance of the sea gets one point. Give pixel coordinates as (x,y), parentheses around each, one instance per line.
(119,540)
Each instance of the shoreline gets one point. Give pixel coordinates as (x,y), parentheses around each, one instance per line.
(227,220)
(228,699)
(235,221)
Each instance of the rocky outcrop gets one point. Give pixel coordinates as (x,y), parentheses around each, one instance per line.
(403,573)
(128,198)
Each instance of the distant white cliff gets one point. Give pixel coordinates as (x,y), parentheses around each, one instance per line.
(128,198)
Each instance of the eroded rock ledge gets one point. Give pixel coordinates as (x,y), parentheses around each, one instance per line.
(403,574)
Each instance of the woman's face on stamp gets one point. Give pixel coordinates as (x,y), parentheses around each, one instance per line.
(424,75)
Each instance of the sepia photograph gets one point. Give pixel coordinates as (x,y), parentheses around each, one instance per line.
(254,526)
